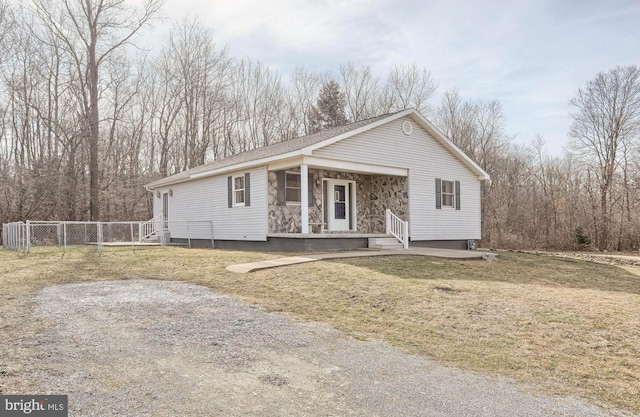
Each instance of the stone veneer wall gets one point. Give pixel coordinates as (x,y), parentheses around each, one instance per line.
(374,194)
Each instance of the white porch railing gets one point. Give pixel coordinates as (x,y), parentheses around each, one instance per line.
(398,228)
(148,228)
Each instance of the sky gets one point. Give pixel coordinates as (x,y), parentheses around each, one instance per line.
(531,55)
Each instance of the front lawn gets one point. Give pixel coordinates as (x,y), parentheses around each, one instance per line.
(567,326)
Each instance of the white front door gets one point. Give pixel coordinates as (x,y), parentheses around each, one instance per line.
(339,204)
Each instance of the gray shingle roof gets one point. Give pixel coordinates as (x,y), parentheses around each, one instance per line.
(269,151)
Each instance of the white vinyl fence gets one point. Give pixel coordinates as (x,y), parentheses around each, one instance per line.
(22,236)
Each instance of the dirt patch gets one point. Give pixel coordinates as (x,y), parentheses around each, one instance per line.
(154,348)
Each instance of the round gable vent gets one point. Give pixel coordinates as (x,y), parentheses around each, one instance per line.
(407,127)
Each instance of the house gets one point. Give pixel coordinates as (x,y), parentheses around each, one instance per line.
(393,175)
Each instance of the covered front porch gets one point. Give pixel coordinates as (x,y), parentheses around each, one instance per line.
(318,198)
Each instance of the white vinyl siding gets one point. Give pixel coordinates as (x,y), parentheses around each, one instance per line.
(205,200)
(426,160)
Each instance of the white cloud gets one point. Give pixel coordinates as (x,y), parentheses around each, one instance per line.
(328,29)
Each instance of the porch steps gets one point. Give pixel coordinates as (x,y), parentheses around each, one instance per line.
(152,239)
(384,243)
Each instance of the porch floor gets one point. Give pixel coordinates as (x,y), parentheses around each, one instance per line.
(326,235)
(293,260)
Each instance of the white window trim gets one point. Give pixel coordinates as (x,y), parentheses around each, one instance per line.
(452,194)
(287,202)
(235,203)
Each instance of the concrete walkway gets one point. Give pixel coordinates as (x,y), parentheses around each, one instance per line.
(312,257)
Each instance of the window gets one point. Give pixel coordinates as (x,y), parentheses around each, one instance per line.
(289,188)
(238,191)
(448,194)
(293,188)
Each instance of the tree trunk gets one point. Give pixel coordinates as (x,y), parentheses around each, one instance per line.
(603,242)
(94,134)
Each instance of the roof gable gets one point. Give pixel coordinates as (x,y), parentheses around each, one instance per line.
(457,152)
(304,145)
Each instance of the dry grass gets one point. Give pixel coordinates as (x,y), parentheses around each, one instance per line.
(568,326)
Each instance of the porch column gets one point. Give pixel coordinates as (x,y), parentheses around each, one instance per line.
(304,198)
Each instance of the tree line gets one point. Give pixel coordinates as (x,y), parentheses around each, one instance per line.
(87,116)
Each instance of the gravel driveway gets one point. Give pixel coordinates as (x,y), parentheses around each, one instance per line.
(158,348)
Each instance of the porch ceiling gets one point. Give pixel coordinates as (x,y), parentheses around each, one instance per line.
(338,165)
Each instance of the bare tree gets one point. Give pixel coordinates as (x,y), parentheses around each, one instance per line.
(361,92)
(91,30)
(305,87)
(407,87)
(606,120)
(200,68)
(476,127)
(26,134)
(5,26)
(165,92)
(261,97)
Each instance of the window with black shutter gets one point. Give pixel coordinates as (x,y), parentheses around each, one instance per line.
(238,190)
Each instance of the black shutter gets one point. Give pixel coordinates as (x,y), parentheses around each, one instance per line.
(310,191)
(247,190)
(325,201)
(280,187)
(230,191)
(457,195)
(438,193)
